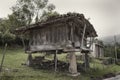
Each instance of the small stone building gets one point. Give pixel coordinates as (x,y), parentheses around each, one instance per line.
(97,49)
(65,33)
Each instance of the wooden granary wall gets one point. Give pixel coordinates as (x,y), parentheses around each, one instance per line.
(56,36)
(57,32)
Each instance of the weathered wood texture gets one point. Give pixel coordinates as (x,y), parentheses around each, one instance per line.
(53,37)
(76,18)
(56,32)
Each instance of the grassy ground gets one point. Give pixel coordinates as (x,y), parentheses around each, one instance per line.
(15,71)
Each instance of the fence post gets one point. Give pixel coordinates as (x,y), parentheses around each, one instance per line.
(3,57)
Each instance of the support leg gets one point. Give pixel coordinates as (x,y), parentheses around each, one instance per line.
(29,60)
(86,61)
(55,60)
(73,64)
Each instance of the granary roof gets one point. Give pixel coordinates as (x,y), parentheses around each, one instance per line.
(77,18)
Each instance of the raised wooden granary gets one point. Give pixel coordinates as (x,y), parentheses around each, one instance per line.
(61,33)
(58,33)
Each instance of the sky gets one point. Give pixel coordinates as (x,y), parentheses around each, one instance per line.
(103,14)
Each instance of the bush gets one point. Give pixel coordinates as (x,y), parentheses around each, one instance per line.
(108,60)
(6,76)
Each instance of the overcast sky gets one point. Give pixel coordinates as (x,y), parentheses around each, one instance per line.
(103,14)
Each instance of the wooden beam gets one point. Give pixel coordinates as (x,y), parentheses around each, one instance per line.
(55,60)
(29,60)
(44,47)
(83,35)
(86,61)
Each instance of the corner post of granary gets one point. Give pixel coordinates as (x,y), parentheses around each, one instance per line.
(55,59)
(29,59)
(86,61)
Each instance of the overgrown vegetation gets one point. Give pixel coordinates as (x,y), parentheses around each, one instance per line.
(24,13)
(13,69)
(27,12)
(110,50)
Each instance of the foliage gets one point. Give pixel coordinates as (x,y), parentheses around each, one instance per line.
(6,76)
(29,11)
(110,50)
(24,13)
(5,34)
(15,57)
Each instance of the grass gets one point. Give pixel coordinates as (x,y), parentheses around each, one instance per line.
(13,60)
(15,71)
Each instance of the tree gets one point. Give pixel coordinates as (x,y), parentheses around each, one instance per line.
(24,13)
(5,34)
(29,11)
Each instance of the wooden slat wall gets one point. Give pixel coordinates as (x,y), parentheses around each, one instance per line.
(57,35)
(50,35)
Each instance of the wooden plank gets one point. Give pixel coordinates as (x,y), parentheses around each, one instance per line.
(44,47)
(66,32)
(47,36)
(55,34)
(86,61)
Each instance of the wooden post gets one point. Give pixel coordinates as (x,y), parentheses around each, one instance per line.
(3,57)
(86,61)
(29,60)
(83,35)
(23,42)
(55,60)
(115,49)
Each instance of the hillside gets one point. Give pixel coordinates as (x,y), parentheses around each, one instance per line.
(110,39)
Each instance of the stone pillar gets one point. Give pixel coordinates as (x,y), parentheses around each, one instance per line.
(29,60)
(73,64)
